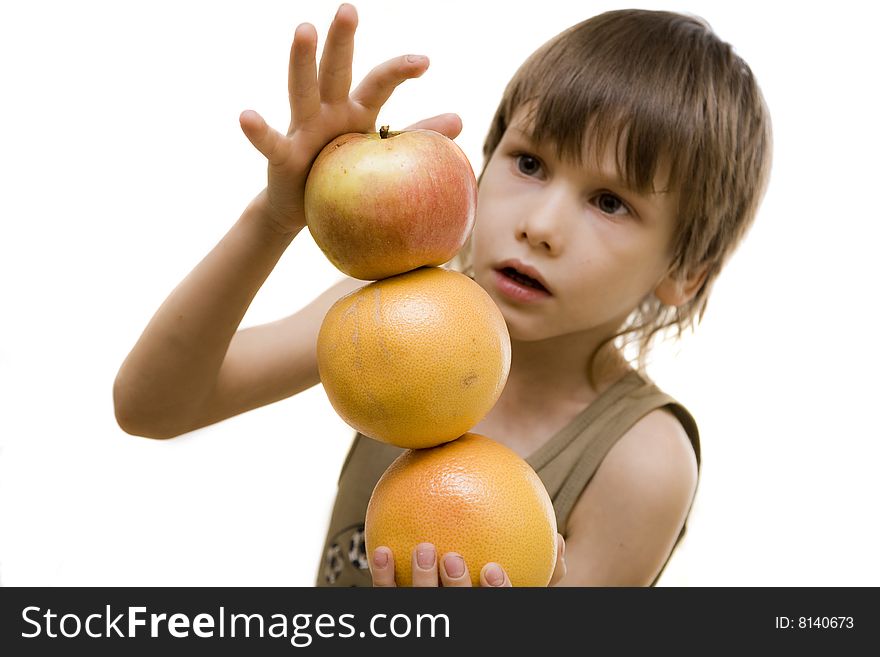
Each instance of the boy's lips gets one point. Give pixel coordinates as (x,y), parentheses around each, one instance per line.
(524,274)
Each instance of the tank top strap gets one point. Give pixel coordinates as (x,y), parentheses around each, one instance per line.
(569,460)
(574,431)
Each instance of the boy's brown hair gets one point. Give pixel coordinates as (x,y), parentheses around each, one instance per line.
(654,85)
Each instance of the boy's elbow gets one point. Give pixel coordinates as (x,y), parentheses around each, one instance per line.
(133,427)
(132,419)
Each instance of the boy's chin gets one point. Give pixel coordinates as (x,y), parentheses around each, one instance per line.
(525,332)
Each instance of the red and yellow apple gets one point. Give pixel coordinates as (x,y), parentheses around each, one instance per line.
(381,204)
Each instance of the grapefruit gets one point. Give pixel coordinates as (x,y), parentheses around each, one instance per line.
(414,360)
(473,496)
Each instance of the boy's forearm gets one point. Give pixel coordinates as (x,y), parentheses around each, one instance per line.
(174,365)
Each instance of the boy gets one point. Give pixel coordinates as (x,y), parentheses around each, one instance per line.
(625,162)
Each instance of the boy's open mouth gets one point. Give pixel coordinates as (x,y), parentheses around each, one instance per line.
(523,279)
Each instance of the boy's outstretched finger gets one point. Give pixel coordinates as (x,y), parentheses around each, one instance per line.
(445,124)
(493,575)
(381,82)
(334,75)
(382,568)
(302,76)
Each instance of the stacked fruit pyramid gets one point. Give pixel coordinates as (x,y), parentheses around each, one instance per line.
(419,356)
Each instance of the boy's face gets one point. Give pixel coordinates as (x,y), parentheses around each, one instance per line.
(598,247)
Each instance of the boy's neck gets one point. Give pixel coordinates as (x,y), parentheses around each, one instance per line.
(547,387)
(555,371)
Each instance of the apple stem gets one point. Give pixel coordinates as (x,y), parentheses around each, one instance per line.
(383,132)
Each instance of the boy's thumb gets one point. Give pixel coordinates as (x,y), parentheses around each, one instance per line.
(259,133)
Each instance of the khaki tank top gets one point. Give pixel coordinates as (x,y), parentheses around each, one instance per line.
(565,463)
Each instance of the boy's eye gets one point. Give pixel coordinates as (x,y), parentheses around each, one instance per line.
(528,165)
(610,204)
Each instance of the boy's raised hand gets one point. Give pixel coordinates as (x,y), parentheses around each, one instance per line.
(321,108)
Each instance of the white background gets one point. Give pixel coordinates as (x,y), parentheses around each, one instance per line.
(123,164)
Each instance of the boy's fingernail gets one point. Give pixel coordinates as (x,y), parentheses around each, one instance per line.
(425,556)
(416,59)
(380,558)
(494,575)
(454,565)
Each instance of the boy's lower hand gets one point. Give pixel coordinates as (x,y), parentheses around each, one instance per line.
(450,570)
(427,570)
(559,569)
(321,108)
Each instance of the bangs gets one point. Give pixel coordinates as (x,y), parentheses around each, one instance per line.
(639,146)
(580,95)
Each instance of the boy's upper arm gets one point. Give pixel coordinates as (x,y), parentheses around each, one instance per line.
(626,522)
(269,362)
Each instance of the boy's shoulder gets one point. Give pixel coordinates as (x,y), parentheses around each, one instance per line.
(627,520)
(656,451)
(650,473)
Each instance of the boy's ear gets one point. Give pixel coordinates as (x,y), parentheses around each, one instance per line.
(676,291)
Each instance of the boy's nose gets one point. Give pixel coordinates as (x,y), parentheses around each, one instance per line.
(541,226)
